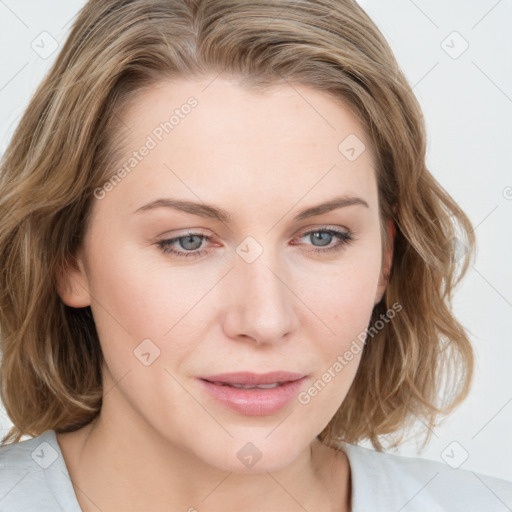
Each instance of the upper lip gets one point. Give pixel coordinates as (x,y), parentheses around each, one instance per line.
(254,378)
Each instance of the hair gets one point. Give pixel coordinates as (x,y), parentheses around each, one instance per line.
(417,366)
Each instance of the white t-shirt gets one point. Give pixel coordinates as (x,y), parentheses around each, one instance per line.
(34,477)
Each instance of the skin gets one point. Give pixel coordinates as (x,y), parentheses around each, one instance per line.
(161,442)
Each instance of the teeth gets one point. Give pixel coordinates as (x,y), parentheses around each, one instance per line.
(250,386)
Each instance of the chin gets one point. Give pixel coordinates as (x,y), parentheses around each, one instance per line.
(255,453)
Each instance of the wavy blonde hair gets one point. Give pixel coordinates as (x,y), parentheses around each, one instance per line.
(419,365)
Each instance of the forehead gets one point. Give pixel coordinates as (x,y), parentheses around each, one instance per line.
(212,137)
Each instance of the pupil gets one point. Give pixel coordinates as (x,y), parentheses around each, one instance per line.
(322,237)
(185,241)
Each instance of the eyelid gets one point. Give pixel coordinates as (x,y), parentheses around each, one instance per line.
(302,232)
(324,227)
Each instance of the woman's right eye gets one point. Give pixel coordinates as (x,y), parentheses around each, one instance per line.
(189,244)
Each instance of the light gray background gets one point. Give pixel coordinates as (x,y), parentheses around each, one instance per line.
(467,102)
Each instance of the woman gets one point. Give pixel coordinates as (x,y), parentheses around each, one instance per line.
(224,264)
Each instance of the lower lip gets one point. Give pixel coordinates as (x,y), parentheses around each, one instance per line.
(256,401)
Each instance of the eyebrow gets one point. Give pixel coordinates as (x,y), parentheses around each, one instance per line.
(214,212)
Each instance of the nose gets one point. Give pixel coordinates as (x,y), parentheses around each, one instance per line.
(260,308)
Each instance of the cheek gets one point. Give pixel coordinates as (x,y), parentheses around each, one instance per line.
(345,311)
(344,295)
(137,292)
(343,301)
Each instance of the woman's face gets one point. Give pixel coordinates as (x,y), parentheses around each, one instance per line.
(250,283)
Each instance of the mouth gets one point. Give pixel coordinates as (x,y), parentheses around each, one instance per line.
(253,394)
(248,380)
(248,386)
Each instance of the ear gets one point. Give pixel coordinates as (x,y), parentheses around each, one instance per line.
(387,262)
(72,284)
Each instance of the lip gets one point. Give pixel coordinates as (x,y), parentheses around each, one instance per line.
(254,402)
(250,378)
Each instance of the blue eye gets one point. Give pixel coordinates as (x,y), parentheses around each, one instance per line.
(326,236)
(188,245)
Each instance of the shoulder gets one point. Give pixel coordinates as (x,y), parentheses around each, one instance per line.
(381,481)
(33,476)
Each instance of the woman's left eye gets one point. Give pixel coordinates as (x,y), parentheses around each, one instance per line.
(325,236)
(189,244)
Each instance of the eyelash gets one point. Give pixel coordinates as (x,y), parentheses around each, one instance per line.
(345,238)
